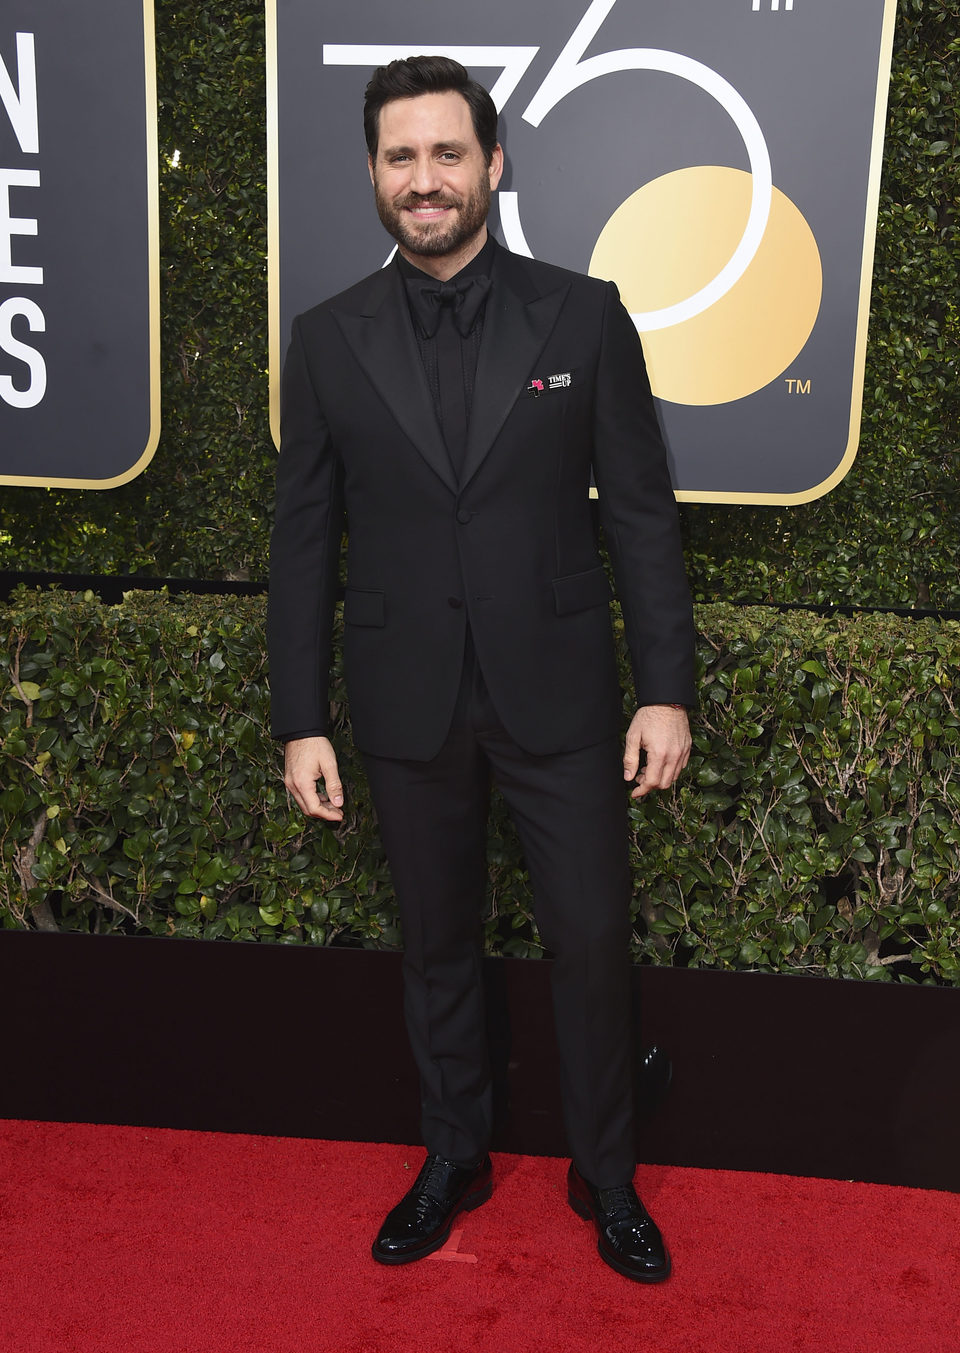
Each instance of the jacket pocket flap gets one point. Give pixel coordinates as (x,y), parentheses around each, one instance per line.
(363,608)
(580,591)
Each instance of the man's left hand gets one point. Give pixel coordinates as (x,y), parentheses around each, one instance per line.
(664,734)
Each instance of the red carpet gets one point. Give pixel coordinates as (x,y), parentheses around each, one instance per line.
(136,1240)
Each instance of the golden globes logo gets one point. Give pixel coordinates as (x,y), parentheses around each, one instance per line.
(760,319)
(730,199)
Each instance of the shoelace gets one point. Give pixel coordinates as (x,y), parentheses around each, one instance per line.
(620,1199)
(434,1172)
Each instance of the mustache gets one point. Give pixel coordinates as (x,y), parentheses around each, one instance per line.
(429,200)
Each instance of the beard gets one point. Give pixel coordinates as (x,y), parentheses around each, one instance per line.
(434,239)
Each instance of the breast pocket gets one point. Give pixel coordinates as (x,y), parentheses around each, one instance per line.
(552,386)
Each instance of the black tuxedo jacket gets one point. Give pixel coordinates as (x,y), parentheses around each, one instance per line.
(561,389)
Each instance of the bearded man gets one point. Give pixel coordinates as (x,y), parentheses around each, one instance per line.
(454,406)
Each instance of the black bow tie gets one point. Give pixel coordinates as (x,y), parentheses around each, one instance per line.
(465,297)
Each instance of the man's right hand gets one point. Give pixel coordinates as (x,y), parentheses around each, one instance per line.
(307,760)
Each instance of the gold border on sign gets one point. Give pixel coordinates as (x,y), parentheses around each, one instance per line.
(153,282)
(863,308)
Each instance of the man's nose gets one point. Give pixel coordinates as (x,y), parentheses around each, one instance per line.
(426,176)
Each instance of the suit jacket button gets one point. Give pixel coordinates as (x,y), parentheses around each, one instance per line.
(455,602)
(463,516)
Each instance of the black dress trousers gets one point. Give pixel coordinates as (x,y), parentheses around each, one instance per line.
(571,813)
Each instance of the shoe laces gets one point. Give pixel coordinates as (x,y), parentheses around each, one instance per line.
(434,1177)
(621,1199)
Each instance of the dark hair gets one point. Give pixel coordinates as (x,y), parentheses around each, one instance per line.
(416,75)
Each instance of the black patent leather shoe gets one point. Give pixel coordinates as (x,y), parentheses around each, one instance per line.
(627,1236)
(421,1221)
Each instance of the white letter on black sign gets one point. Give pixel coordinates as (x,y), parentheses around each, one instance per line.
(12,225)
(22,106)
(31,312)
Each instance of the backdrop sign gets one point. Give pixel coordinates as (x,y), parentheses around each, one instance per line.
(79,278)
(719,159)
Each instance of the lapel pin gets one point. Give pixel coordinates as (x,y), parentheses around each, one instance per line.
(536,387)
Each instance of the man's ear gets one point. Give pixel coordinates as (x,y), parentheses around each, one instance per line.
(495,168)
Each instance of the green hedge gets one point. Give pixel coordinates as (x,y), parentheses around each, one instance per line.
(816,829)
(889,535)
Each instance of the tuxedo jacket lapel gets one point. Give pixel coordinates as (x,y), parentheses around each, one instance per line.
(381,337)
(517,322)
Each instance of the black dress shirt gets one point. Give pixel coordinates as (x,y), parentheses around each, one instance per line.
(480,265)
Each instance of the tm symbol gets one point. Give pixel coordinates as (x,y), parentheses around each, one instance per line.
(797,387)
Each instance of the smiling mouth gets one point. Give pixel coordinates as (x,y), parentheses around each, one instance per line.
(427,211)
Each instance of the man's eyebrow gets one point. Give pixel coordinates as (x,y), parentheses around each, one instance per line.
(459,146)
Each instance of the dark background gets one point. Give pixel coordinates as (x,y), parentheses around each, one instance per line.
(92,242)
(811,78)
(888,535)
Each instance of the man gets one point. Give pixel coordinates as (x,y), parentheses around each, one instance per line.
(453,405)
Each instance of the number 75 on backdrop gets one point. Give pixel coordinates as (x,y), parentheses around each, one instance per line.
(718,159)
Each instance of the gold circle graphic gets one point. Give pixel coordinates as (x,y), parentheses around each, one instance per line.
(669,239)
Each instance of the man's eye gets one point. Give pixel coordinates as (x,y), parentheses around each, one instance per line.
(450,155)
